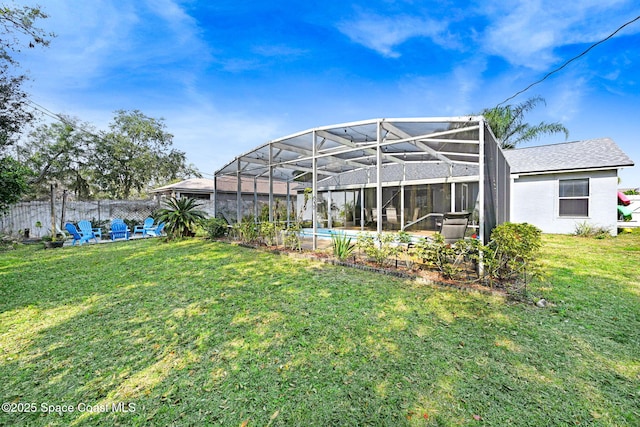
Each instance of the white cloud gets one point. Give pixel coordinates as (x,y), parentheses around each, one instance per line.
(384,33)
(95,38)
(527,32)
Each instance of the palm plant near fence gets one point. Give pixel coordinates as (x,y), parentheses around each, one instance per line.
(181,216)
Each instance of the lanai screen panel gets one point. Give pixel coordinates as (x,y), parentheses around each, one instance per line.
(452,145)
(496,183)
(352,146)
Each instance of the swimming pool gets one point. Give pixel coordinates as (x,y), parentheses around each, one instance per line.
(326,233)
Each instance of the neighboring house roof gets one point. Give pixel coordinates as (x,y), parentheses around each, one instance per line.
(193,185)
(225,184)
(601,153)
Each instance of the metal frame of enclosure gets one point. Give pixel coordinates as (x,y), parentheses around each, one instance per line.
(380,153)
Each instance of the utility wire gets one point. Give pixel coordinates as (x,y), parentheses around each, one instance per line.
(569,61)
(60,118)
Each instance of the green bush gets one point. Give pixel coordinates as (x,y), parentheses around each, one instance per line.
(511,254)
(292,239)
(444,257)
(268,232)
(246,231)
(379,249)
(215,228)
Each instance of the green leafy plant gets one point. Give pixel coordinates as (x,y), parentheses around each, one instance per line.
(292,239)
(585,229)
(246,231)
(435,253)
(342,246)
(379,249)
(510,256)
(181,216)
(268,232)
(404,241)
(215,228)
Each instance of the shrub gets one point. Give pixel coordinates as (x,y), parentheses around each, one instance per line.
(444,257)
(268,232)
(246,231)
(512,253)
(292,239)
(215,228)
(379,249)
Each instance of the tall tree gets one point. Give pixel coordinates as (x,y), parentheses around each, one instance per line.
(508,125)
(14,182)
(17,29)
(61,153)
(136,155)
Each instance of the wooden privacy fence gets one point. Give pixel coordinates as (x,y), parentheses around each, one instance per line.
(27,215)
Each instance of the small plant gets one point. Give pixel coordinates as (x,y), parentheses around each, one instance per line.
(7,242)
(268,233)
(215,228)
(181,217)
(342,246)
(246,231)
(379,249)
(584,229)
(435,253)
(292,239)
(404,240)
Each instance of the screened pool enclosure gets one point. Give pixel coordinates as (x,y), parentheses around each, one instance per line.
(382,174)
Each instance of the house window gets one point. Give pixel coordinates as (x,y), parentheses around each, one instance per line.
(574,197)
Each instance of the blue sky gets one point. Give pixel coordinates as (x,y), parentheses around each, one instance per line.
(230,75)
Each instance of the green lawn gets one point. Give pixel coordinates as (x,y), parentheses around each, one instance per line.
(201,333)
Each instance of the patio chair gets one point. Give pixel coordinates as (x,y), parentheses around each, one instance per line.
(392,216)
(76,236)
(86,229)
(146,226)
(119,230)
(454,226)
(156,231)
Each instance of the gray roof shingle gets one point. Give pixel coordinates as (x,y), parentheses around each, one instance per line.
(589,154)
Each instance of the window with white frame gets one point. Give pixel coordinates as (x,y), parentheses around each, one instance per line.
(574,197)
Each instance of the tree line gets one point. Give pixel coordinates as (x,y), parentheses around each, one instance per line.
(135,154)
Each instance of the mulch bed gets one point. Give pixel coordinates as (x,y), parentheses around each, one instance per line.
(419,275)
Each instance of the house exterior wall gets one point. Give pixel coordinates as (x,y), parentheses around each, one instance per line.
(535,200)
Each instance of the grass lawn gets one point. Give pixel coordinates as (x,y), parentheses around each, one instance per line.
(202,333)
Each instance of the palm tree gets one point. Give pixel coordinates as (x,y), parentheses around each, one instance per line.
(181,216)
(507,123)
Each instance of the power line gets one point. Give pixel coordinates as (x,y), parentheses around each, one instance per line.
(60,118)
(569,61)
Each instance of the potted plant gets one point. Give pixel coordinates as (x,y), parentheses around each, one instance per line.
(51,241)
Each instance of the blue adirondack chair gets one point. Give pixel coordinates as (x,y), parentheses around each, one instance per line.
(119,230)
(86,229)
(156,231)
(146,226)
(76,236)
